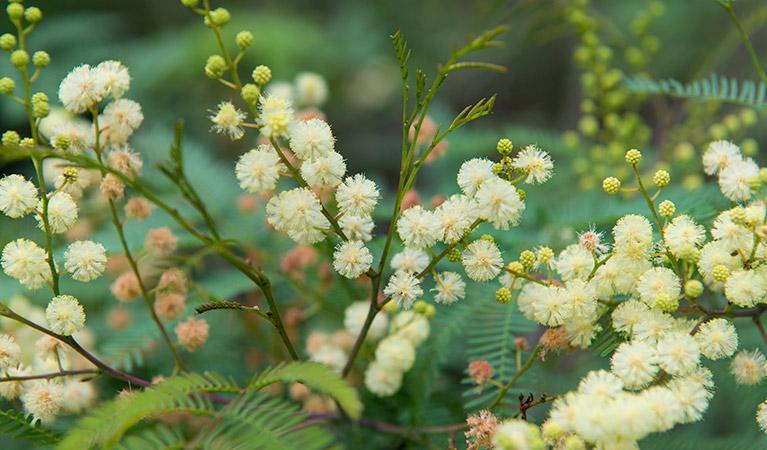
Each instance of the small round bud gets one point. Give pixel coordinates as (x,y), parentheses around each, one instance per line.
(27,143)
(250,93)
(190,3)
(40,105)
(220,16)
(522,194)
(755,183)
(504,147)
(693,288)
(611,185)
(527,258)
(41,59)
(391,307)
(574,442)
(516,266)
(665,303)
(497,168)
(588,125)
(214,67)
(545,255)
(10,138)
(732,122)
(454,255)
(666,208)
(69,174)
(503,295)
(633,156)
(738,215)
(7,41)
(62,141)
(720,272)
(261,75)
(429,311)
(506,161)
(33,14)
(488,238)
(749,147)
(763,174)
(19,58)
(748,117)
(661,178)
(244,39)
(7,85)
(420,306)
(552,430)
(15,11)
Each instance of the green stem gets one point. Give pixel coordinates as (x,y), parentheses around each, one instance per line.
(746,40)
(509,385)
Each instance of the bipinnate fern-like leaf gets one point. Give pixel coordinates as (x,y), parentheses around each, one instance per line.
(492,339)
(715,87)
(315,376)
(156,438)
(26,427)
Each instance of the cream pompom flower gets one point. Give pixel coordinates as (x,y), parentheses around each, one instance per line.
(298,213)
(82,89)
(499,203)
(357,227)
(535,163)
(44,399)
(719,155)
(311,89)
(691,396)
(192,333)
(357,195)
(18,196)
(381,380)
(473,173)
(454,216)
(745,288)
(733,180)
(449,288)
(761,416)
(114,77)
(228,120)
(62,213)
(666,411)
(24,260)
(324,170)
(311,139)
(635,363)
(417,227)
(85,260)
(119,120)
(9,351)
(355,315)
(658,281)
(395,352)
(351,259)
(404,289)
(551,307)
(574,262)
(482,260)
(633,238)
(258,170)
(717,339)
(678,353)
(600,383)
(65,315)
(412,326)
(628,314)
(410,260)
(683,236)
(126,161)
(748,368)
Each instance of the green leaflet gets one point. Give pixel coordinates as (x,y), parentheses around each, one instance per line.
(716,87)
(26,427)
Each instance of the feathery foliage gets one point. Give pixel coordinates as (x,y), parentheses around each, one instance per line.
(26,427)
(716,87)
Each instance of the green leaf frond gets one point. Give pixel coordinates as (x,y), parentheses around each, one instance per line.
(716,87)
(26,427)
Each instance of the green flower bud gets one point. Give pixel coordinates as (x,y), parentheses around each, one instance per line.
(666,208)
(250,93)
(261,75)
(720,272)
(420,306)
(7,41)
(429,311)
(391,307)
(503,295)
(635,56)
(40,105)
(611,185)
(545,255)
(497,168)
(488,238)
(717,131)
(214,67)
(570,138)
(588,125)
(749,147)
(575,442)
(732,122)
(684,151)
(693,288)
(27,143)
(10,138)
(41,59)
(244,39)
(220,16)
(15,11)
(633,156)
(651,44)
(527,258)
(604,53)
(19,58)
(661,178)
(665,303)
(7,85)
(33,14)
(763,174)
(755,183)
(504,146)
(62,142)
(748,117)
(454,255)
(522,194)
(190,3)
(516,266)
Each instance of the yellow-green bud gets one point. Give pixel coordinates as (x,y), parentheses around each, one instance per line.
(522,194)
(611,185)
(7,85)
(220,16)
(604,53)
(588,125)
(27,143)
(15,11)
(497,168)
(190,3)
(717,131)
(748,117)
(250,93)
(570,138)
(262,74)
(575,442)
(657,8)
(732,122)
(454,255)
(545,255)
(635,56)
(40,105)
(516,266)
(429,311)
(391,307)
(10,138)
(552,430)
(41,59)
(664,302)
(689,253)
(506,161)
(244,39)
(420,306)
(504,146)
(666,208)
(720,272)
(488,238)
(693,288)
(633,156)
(503,295)
(7,41)
(738,215)
(62,141)
(661,178)
(33,14)
(762,173)
(749,147)
(19,58)
(684,151)
(527,258)
(588,106)
(755,183)
(69,174)
(214,67)
(651,44)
